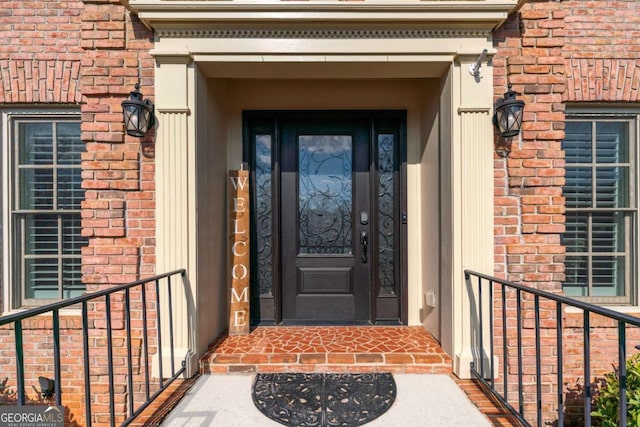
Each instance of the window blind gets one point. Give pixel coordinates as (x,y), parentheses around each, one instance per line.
(47,216)
(598,206)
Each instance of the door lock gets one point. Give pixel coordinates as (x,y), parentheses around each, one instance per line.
(364,218)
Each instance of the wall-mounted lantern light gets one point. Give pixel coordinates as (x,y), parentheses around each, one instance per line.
(138,114)
(508,114)
(47,387)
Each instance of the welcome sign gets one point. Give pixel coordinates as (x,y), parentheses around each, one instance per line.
(239,252)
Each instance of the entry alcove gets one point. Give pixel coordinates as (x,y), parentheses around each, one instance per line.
(217,59)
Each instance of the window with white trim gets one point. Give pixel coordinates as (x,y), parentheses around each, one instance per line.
(43,194)
(601,206)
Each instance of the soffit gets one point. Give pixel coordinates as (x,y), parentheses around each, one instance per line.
(458,14)
(432,67)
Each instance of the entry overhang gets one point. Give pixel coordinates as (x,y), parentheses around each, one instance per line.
(479,14)
(199,41)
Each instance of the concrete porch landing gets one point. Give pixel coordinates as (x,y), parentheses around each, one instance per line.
(224,400)
(396,349)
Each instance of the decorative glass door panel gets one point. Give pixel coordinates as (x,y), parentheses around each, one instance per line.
(328,216)
(387,218)
(324,194)
(263,214)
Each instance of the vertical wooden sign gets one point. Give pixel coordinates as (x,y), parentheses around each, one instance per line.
(239,252)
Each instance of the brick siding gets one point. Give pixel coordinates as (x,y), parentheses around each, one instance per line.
(40,61)
(89,55)
(118,210)
(555,53)
(40,52)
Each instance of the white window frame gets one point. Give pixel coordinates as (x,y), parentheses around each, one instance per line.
(631,115)
(11,295)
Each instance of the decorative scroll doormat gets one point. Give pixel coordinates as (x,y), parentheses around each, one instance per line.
(323,400)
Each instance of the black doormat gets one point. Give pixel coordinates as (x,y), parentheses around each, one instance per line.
(323,400)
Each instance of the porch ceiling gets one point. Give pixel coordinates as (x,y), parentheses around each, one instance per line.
(322,70)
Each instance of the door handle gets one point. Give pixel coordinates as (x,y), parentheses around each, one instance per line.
(364,241)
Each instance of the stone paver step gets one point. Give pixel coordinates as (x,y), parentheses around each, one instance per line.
(396,349)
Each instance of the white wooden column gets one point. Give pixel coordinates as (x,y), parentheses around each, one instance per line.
(472,164)
(175,218)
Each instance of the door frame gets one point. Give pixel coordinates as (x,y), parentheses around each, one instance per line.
(267,310)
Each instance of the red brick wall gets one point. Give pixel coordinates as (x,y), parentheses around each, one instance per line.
(555,53)
(40,56)
(529,213)
(602,50)
(602,65)
(118,211)
(38,361)
(88,54)
(40,51)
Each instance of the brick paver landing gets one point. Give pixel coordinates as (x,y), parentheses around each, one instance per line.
(397,349)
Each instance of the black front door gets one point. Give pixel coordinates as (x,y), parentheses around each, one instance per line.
(325,227)
(328,208)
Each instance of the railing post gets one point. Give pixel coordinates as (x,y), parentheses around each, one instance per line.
(560,361)
(87,373)
(519,338)
(19,361)
(491,334)
(191,359)
(112,410)
(171,345)
(481,332)
(127,320)
(56,357)
(538,360)
(159,333)
(505,355)
(622,372)
(145,339)
(477,314)
(587,368)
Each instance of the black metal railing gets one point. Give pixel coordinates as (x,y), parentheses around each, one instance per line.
(499,306)
(145,304)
